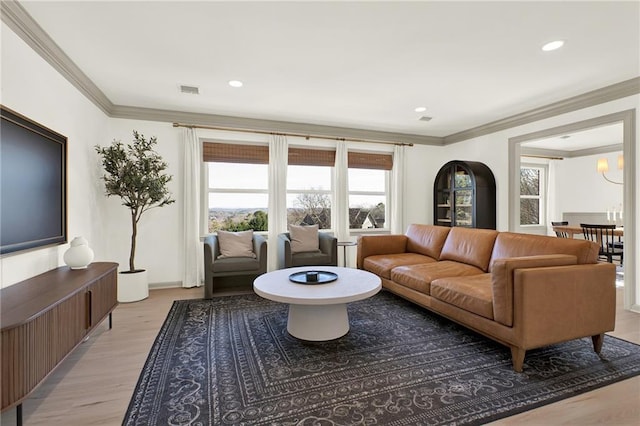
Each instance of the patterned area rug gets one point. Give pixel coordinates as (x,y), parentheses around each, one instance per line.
(230,361)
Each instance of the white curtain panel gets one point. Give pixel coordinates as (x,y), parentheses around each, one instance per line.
(277,213)
(397,213)
(193,256)
(341,192)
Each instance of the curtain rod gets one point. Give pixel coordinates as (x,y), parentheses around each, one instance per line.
(308,136)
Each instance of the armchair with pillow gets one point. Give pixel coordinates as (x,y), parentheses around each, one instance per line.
(305,246)
(236,256)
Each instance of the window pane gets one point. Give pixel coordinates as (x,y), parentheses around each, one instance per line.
(238,208)
(308,177)
(238,176)
(238,211)
(367,180)
(309,208)
(529,211)
(367,211)
(309,196)
(529,181)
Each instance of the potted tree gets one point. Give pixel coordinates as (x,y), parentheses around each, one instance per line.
(135,173)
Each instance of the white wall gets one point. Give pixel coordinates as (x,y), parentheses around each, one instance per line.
(31,87)
(581,189)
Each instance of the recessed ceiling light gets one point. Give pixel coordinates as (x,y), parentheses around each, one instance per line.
(420,109)
(235,83)
(553,45)
(565,136)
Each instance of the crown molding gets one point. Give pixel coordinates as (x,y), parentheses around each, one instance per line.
(595,97)
(597,150)
(240,123)
(544,152)
(17,18)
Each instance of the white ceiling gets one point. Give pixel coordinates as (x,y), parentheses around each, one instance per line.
(609,135)
(362,65)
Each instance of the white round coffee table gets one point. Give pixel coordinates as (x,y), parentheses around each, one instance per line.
(318,312)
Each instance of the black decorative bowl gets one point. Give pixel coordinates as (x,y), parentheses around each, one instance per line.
(313,277)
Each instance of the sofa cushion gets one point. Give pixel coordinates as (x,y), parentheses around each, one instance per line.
(426,239)
(235,264)
(304,239)
(310,258)
(235,244)
(472,294)
(419,277)
(510,244)
(469,245)
(383,264)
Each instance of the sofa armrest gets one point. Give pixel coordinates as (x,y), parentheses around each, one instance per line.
(260,249)
(502,276)
(328,244)
(563,303)
(371,245)
(284,251)
(211,252)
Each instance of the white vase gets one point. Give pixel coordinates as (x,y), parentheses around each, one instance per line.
(79,255)
(132,286)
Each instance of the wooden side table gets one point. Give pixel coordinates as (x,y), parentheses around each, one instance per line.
(344,245)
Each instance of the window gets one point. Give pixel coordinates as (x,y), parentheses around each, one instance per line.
(238,196)
(309,195)
(368,183)
(532,183)
(367,198)
(238,191)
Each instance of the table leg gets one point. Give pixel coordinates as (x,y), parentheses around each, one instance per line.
(318,322)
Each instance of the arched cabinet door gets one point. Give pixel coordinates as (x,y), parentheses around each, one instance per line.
(464,194)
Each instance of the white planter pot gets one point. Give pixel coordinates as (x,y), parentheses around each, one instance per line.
(133,287)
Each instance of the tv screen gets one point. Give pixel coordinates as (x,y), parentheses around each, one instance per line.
(33,184)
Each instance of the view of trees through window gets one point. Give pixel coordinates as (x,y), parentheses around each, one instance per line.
(238,197)
(530,195)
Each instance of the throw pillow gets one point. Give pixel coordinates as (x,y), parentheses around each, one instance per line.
(304,238)
(236,244)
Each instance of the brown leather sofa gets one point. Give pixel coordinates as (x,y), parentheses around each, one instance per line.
(524,291)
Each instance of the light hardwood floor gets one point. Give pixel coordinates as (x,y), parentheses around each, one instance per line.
(94,384)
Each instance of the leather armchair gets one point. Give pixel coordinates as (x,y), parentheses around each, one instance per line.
(241,269)
(328,255)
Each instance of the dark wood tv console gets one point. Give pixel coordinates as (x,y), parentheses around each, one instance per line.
(44,318)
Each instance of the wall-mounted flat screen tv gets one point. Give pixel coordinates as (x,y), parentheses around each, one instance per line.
(33,184)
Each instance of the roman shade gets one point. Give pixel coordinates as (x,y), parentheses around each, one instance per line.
(259,154)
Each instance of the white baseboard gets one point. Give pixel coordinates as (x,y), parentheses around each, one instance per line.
(166,284)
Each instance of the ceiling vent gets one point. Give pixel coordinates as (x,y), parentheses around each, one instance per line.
(425,118)
(192,90)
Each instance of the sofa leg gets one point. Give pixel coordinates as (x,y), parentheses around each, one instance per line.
(598,339)
(517,358)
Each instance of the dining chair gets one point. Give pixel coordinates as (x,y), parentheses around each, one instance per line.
(561,234)
(604,236)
